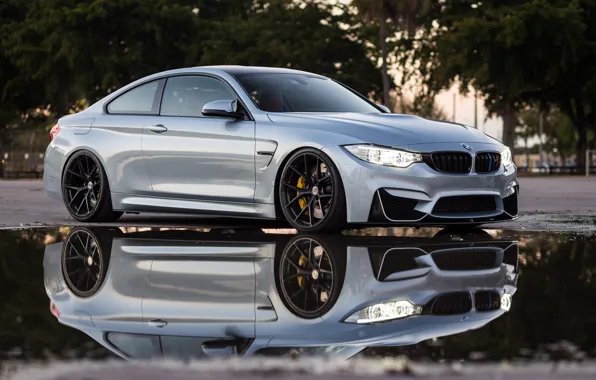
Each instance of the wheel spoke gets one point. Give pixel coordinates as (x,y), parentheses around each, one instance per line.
(76,174)
(74,196)
(303,209)
(300,270)
(296,171)
(323,179)
(298,189)
(309,215)
(295,199)
(321,207)
(306,174)
(325,196)
(305,300)
(76,251)
(318,171)
(81,168)
(78,234)
(87,196)
(298,292)
(290,278)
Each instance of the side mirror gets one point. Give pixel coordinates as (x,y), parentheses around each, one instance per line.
(223,108)
(384,108)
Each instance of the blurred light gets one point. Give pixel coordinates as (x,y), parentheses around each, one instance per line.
(506,302)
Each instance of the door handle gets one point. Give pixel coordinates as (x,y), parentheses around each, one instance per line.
(158,323)
(157,128)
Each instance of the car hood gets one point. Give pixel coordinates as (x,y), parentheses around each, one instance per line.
(387,129)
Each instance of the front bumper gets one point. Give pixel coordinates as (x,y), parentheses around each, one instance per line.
(384,195)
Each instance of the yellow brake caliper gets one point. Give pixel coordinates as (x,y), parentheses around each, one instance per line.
(301,185)
(301,263)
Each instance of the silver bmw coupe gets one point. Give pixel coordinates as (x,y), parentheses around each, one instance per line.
(270,143)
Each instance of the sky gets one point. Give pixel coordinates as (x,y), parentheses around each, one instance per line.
(464,112)
(464,107)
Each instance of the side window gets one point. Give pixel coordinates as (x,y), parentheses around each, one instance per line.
(139,100)
(186,95)
(136,346)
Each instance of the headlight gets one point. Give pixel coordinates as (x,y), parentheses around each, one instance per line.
(384,312)
(383,156)
(506,302)
(506,157)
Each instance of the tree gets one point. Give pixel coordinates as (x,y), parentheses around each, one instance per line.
(307,36)
(514,52)
(420,105)
(404,16)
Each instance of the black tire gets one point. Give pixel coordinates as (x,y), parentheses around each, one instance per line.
(85,259)
(86,191)
(331,258)
(324,193)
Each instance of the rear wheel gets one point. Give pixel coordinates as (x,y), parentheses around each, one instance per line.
(85,259)
(311,193)
(85,189)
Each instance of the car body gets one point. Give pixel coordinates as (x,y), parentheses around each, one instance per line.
(196,294)
(204,140)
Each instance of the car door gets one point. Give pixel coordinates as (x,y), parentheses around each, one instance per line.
(118,136)
(192,156)
(209,293)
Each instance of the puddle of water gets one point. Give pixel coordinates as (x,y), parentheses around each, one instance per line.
(427,294)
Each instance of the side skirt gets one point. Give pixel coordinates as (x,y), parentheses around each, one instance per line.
(137,203)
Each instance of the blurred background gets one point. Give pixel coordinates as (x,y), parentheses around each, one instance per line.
(522,71)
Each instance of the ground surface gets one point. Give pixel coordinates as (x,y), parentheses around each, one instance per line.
(297,370)
(548,203)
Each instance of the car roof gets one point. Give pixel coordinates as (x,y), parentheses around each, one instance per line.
(238,70)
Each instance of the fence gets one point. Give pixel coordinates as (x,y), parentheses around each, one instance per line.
(556,170)
(21,164)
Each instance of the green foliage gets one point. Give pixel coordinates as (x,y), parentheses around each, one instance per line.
(516,52)
(306,37)
(71,50)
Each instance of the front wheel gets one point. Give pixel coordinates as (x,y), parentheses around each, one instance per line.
(311,193)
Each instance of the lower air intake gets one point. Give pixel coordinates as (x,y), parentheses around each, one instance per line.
(465,204)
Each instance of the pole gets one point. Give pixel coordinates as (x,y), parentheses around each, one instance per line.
(475,110)
(540,124)
(454,96)
(587,162)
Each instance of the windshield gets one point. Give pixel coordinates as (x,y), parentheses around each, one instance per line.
(301,93)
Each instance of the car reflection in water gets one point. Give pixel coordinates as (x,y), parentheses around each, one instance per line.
(188,294)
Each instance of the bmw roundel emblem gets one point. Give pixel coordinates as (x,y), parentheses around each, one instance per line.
(466,146)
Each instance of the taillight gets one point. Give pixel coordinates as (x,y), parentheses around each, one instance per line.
(54,131)
(54,310)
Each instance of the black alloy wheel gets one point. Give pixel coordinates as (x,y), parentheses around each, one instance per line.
(311,193)
(309,277)
(84,262)
(85,189)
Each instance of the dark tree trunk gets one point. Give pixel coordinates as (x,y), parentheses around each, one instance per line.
(384,55)
(580,148)
(509,124)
